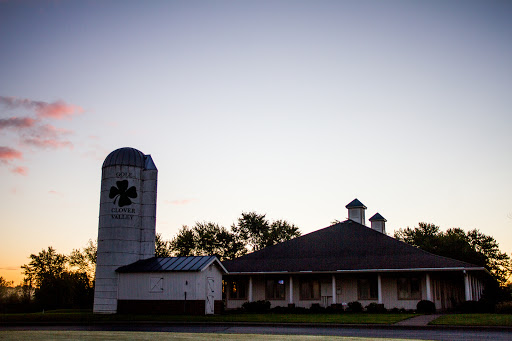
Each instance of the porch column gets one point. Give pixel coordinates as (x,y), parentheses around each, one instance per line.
(379,288)
(429,290)
(250,289)
(467,287)
(291,290)
(333,289)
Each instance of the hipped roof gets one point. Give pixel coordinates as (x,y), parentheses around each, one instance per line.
(346,246)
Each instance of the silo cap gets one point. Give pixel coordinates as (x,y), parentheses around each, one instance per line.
(125,157)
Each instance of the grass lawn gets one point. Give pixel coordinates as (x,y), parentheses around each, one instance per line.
(475,320)
(87,316)
(149,336)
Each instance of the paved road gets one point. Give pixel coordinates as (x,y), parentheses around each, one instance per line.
(441,334)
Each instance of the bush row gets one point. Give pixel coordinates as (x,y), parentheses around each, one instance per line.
(423,307)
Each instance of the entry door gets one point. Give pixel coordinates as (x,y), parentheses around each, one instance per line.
(210,295)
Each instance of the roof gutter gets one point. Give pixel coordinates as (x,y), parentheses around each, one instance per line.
(357,271)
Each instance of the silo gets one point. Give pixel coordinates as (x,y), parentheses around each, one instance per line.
(126,231)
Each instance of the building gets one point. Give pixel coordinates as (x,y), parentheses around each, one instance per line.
(348,262)
(129,278)
(172,285)
(342,263)
(127,218)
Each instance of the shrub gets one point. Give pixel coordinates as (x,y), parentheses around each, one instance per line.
(504,307)
(426,307)
(256,306)
(316,308)
(475,307)
(375,308)
(355,307)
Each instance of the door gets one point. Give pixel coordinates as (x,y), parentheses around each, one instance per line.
(210,296)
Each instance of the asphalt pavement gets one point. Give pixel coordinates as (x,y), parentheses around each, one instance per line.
(368,331)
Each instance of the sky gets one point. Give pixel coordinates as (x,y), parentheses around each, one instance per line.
(287,108)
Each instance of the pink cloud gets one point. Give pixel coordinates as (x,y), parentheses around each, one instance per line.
(47,143)
(180,202)
(20,170)
(55,110)
(48,136)
(32,132)
(54,192)
(17,122)
(8,154)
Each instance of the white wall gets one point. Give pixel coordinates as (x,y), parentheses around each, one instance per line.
(349,291)
(136,286)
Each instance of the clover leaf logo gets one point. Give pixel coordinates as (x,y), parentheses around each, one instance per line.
(123,193)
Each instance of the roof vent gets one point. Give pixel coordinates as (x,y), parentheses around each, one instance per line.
(378,223)
(356,211)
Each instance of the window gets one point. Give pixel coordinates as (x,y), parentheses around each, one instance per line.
(409,288)
(156,284)
(309,290)
(237,289)
(367,288)
(274,290)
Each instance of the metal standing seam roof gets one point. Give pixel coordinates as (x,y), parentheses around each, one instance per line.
(125,156)
(160,264)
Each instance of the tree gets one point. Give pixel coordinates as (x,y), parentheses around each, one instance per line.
(184,243)
(256,232)
(473,247)
(162,247)
(4,288)
(212,239)
(85,260)
(44,265)
(56,286)
(206,238)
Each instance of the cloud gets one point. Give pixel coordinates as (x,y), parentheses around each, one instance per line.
(17,122)
(180,202)
(48,136)
(47,143)
(8,154)
(34,132)
(55,110)
(20,170)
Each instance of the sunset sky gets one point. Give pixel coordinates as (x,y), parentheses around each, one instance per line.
(289,108)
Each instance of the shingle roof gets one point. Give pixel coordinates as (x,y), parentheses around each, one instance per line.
(377,217)
(346,246)
(355,204)
(159,264)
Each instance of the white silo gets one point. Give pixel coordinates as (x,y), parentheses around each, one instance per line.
(127,220)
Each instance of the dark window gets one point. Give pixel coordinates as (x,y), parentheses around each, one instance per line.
(367,288)
(309,290)
(237,289)
(408,288)
(274,289)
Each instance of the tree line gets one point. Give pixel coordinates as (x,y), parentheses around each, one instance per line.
(251,232)
(53,280)
(472,247)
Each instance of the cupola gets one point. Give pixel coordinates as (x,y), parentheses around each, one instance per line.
(356,211)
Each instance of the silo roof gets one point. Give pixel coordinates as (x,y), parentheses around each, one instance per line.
(125,157)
